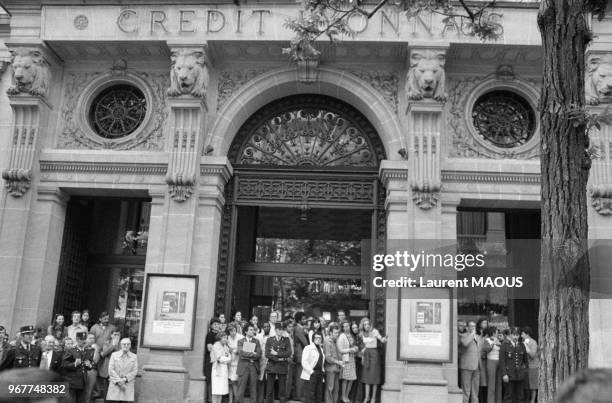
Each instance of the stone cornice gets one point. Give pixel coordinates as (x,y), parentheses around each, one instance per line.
(103,167)
(490,177)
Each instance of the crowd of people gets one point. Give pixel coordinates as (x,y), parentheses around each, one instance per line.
(497,365)
(299,358)
(93,359)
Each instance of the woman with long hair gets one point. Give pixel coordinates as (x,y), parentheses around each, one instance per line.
(372,363)
(316,328)
(534,362)
(58,325)
(347,348)
(356,393)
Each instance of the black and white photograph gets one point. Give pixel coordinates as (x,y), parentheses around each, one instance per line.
(316,201)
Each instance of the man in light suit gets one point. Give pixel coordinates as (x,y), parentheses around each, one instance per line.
(470,347)
(248,365)
(313,359)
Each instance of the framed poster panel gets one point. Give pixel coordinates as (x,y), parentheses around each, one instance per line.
(169,311)
(425,325)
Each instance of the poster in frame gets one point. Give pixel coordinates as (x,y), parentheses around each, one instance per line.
(425,323)
(169,311)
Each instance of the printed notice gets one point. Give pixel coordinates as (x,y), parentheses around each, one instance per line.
(432,339)
(248,347)
(169,326)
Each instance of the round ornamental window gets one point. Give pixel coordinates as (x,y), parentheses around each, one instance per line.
(504,118)
(117,111)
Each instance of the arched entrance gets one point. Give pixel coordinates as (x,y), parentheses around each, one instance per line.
(303,211)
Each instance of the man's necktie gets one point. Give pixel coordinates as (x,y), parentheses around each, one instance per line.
(43,361)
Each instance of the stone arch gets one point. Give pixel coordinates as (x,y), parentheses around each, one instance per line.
(278,84)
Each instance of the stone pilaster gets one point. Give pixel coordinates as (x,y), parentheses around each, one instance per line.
(599,98)
(30,71)
(188,112)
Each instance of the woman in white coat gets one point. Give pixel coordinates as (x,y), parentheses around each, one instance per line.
(220,357)
(122,370)
(313,360)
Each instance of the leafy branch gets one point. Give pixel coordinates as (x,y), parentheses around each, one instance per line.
(331,18)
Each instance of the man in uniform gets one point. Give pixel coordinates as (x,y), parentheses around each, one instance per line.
(514,366)
(77,363)
(278,351)
(23,355)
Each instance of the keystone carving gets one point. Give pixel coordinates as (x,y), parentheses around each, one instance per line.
(189,72)
(31,72)
(598,82)
(426,77)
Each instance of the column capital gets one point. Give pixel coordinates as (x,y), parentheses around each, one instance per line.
(52,193)
(393,171)
(217,167)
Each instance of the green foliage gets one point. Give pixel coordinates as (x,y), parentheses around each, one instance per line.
(330,18)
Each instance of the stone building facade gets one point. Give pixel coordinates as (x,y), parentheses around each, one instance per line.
(133,141)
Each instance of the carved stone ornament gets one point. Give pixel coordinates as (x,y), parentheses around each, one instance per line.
(231,80)
(385,82)
(426,78)
(180,187)
(426,196)
(463,137)
(188,72)
(598,81)
(31,72)
(76,132)
(308,69)
(17,181)
(601,196)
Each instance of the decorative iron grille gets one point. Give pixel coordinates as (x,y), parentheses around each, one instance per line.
(308,131)
(504,118)
(118,111)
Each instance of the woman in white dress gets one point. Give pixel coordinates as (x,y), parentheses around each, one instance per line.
(220,357)
(232,342)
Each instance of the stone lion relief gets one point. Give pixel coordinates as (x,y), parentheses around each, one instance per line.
(598,83)
(30,72)
(189,73)
(426,78)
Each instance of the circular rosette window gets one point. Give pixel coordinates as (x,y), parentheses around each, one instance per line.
(504,118)
(118,111)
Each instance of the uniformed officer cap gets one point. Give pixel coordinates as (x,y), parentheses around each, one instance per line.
(81,335)
(26,329)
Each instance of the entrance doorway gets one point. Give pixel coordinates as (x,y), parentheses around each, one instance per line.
(292,260)
(102,261)
(302,212)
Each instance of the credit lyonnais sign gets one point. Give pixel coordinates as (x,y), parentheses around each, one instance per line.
(516,26)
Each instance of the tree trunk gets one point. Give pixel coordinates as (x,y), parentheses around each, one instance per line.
(564,276)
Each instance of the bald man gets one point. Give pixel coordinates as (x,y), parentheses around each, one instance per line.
(50,359)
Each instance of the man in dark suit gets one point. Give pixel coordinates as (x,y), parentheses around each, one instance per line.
(470,349)
(77,362)
(514,366)
(278,351)
(301,340)
(249,353)
(50,359)
(25,354)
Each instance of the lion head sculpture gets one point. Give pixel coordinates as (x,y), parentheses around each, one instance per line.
(426,77)
(189,73)
(30,72)
(598,82)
